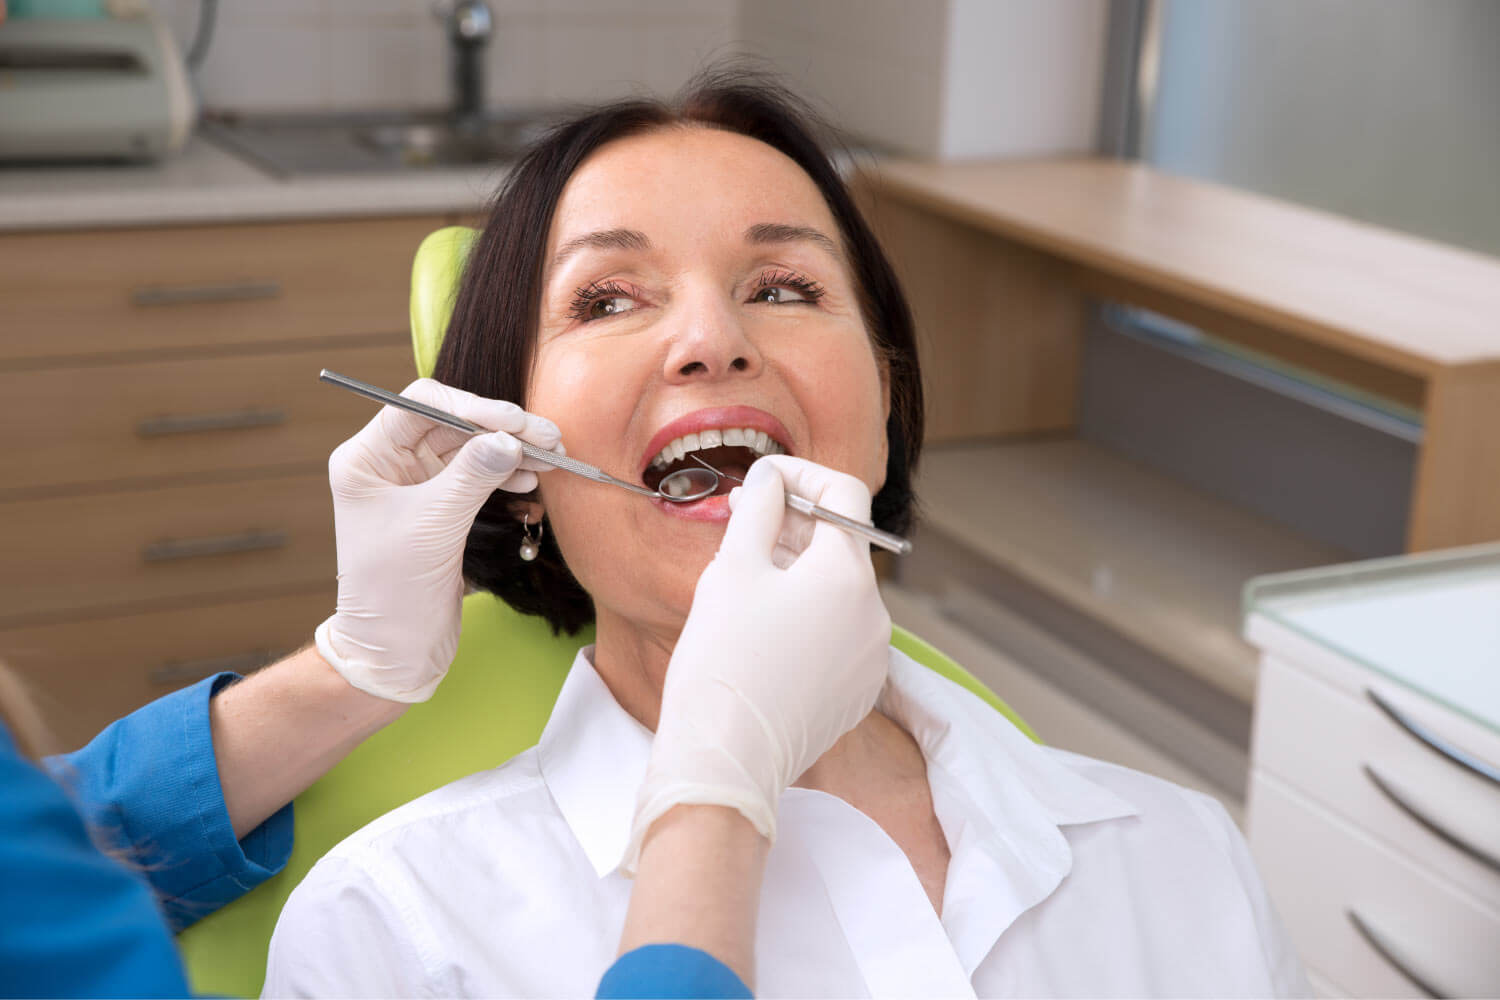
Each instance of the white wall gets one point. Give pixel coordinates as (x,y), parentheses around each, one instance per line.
(874,66)
(1023,77)
(303,55)
(951,79)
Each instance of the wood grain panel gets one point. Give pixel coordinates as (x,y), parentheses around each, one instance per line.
(91,553)
(1397,386)
(92,425)
(1456,497)
(85,674)
(999,327)
(77,293)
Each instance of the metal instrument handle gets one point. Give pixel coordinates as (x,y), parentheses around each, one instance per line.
(563,462)
(1404,803)
(171,549)
(186,295)
(884,539)
(199,422)
(1388,951)
(1446,750)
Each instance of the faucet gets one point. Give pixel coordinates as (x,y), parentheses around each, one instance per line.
(469,25)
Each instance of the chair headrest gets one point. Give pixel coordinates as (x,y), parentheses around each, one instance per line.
(434,283)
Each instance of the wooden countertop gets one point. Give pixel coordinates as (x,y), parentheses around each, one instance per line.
(1397,301)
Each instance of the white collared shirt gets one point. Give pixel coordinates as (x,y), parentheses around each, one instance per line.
(1067,877)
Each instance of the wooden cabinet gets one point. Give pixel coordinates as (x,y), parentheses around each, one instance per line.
(1002,259)
(164,507)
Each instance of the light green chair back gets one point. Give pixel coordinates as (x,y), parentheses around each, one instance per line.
(493,704)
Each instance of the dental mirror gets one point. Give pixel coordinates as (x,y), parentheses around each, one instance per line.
(687,485)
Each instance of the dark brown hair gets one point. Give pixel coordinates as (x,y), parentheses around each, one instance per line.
(491,337)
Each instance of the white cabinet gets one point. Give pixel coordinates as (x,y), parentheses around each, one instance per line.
(1374,804)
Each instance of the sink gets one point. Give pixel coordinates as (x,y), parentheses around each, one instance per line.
(374,142)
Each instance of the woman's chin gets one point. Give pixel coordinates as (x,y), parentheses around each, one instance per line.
(707,509)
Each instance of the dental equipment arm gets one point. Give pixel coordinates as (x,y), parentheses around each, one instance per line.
(785,650)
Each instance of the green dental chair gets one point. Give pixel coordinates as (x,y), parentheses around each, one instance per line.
(493,705)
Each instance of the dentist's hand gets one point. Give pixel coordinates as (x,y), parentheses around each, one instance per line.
(405,493)
(785,649)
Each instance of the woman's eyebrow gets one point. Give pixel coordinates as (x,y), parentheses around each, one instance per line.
(603,239)
(781,232)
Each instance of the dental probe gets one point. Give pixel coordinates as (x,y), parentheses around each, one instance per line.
(691,476)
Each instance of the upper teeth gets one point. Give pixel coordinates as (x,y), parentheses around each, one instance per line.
(757,441)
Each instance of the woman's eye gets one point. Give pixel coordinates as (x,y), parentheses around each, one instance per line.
(782,287)
(600,301)
(777,294)
(609,306)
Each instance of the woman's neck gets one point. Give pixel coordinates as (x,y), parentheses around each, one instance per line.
(632,661)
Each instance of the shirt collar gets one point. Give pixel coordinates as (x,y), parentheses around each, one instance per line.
(593,756)
(957,731)
(1001,800)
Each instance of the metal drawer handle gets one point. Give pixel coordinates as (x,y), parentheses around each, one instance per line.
(1448,751)
(1390,953)
(1405,804)
(184,295)
(238,420)
(178,671)
(215,545)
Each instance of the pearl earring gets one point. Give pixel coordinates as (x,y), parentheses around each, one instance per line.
(530,546)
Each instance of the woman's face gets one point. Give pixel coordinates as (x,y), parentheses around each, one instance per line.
(694,282)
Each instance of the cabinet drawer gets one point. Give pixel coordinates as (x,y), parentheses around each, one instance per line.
(1324,875)
(117,550)
(1346,754)
(103,292)
(86,674)
(186,418)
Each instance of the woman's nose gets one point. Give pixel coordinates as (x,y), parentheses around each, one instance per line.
(710,342)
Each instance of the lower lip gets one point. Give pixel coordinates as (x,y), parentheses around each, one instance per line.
(707,509)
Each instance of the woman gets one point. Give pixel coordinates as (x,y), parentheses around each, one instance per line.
(182,788)
(668,280)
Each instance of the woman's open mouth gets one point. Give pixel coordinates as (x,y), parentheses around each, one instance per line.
(729,449)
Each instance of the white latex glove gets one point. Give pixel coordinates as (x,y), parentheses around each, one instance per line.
(405,493)
(785,650)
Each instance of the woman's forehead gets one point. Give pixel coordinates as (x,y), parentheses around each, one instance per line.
(681,180)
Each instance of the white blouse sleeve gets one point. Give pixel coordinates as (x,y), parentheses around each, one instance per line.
(1283,967)
(341,935)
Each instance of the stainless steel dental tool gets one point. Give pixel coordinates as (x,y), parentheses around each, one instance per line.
(690,484)
(802,505)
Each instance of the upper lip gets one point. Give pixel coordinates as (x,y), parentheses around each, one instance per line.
(715,418)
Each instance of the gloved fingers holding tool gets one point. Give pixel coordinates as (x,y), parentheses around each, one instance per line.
(785,649)
(405,494)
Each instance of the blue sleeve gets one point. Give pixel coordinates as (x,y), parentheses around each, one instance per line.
(149,787)
(73,922)
(670,971)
